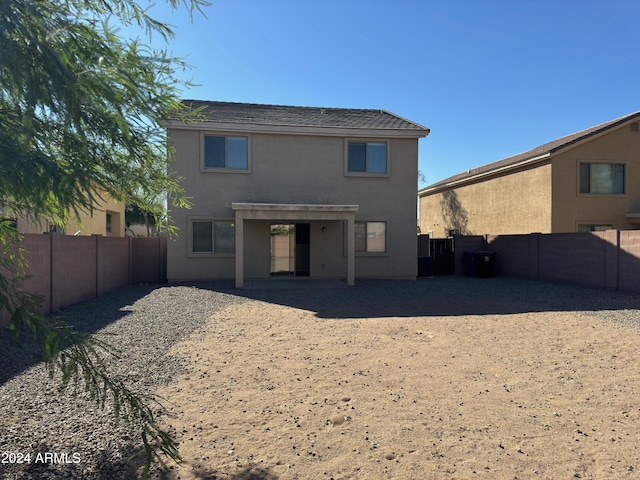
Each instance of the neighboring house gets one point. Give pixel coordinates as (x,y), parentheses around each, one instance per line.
(586,181)
(106,218)
(296,192)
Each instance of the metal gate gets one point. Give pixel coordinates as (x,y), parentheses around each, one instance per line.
(440,251)
(443,255)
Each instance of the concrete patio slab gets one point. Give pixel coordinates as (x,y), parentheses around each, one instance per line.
(294,283)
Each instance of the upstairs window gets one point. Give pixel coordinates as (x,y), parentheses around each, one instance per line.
(602,178)
(371,237)
(226,152)
(367,157)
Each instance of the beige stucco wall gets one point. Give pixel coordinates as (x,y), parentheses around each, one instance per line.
(516,203)
(570,208)
(543,199)
(297,169)
(89,222)
(95,222)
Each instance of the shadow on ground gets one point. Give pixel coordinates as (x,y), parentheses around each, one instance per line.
(250,473)
(115,464)
(440,296)
(435,296)
(430,297)
(18,353)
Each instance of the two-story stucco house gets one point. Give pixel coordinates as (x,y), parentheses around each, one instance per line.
(296,192)
(581,182)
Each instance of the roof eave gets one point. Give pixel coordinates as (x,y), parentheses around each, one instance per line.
(629,119)
(461,179)
(473,178)
(233,127)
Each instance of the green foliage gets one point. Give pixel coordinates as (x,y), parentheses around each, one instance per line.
(81,109)
(81,362)
(77,359)
(154,216)
(81,113)
(11,268)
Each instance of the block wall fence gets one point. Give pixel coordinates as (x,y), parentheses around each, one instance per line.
(65,270)
(609,260)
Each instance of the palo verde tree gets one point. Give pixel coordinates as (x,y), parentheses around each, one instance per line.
(81,112)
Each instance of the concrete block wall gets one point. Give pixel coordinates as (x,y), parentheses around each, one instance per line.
(572,258)
(113,258)
(518,255)
(608,259)
(629,261)
(73,270)
(64,269)
(149,260)
(38,258)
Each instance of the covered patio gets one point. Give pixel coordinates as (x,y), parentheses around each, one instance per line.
(293,213)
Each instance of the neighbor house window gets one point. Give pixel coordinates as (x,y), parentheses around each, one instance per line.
(213,236)
(371,237)
(367,157)
(226,152)
(583,228)
(602,178)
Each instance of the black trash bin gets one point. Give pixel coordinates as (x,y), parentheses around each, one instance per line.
(469,263)
(485,263)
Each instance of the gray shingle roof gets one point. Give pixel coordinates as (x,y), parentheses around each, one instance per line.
(281,115)
(548,148)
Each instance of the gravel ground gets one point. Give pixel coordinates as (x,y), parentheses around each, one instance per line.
(142,322)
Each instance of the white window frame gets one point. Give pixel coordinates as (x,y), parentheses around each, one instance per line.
(203,153)
(194,219)
(366,141)
(367,252)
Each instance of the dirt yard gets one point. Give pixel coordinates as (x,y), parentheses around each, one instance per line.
(276,391)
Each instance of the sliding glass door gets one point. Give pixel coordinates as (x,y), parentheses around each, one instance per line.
(289,249)
(283,238)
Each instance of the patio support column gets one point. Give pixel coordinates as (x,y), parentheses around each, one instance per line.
(351,242)
(239,249)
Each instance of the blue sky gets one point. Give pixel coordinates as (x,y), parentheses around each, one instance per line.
(490,78)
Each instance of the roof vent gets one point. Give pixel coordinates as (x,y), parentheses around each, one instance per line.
(634,127)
